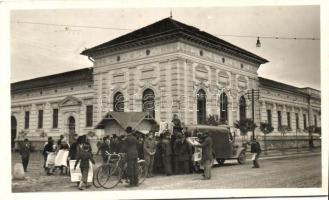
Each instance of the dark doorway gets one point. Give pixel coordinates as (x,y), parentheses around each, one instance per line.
(71,124)
(201,107)
(13,131)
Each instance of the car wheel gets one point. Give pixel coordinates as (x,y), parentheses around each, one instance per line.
(242,158)
(220,161)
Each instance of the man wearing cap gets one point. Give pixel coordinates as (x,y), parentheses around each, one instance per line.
(130,148)
(206,159)
(149,148)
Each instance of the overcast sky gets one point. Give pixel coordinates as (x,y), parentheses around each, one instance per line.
(38,50)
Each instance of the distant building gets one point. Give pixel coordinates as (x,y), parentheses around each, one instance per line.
(165,68)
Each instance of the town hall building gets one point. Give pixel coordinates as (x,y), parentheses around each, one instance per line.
(164,68)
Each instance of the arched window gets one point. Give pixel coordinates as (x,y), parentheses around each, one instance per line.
(242,108)
(223,108)
(149,102)
(118,102)
(201,106)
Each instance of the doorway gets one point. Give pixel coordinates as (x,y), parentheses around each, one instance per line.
(13,131)
(71,126)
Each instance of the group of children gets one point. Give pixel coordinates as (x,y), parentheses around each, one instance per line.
(59,155)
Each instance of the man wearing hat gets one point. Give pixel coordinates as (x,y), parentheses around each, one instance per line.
(207,156)
(149,148)
(130,148)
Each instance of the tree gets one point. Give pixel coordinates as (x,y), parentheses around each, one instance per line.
(245,125)
(266,128)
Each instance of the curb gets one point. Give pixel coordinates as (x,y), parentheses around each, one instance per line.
(288,156)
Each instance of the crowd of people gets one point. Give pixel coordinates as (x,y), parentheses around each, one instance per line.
(166,153)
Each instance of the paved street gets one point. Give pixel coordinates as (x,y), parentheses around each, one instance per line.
(283,173)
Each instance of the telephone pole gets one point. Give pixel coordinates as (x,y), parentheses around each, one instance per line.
(253,95)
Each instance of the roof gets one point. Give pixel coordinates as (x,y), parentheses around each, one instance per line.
(70,77)
(280,86)
(169,28)
(125,119)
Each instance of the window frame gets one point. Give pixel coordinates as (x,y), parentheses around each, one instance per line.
(89,115)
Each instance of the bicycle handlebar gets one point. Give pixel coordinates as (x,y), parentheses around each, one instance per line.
(119,155)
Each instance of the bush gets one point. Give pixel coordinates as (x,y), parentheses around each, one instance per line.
(266,128)
(245,126)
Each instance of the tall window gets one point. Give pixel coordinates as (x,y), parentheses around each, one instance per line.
(242,107)
(297,121)
(269,116)
(304,120)
(201,106)
(288,120)
(279,119)
(118,102)
(149,102)
(40,119)
(223,107)
(55,118)
(89,116)
(315,121)
(27,120)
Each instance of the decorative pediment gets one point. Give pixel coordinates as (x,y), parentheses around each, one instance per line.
(201,72)
(118,77)
(223,78)
(148,72)
(242,82)
(70,101)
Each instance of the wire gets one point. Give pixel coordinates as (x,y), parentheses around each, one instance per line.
(126,29)
(69,25)
(272,37)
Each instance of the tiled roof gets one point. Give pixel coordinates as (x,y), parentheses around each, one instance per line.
(125,119)
(281,86)
(169,27)
(65,78)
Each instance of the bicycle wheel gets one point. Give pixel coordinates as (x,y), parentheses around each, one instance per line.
(113,176)
(103,173)
(95,181)
(141,172)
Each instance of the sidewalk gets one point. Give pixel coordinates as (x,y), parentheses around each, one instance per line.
(288,153)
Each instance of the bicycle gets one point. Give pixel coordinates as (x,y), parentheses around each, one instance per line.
(114,170)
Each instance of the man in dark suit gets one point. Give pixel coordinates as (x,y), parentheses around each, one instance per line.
(166,153)
(131,149)
(25,153)
(207,157)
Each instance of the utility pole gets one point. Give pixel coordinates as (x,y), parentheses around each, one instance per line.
(253,95)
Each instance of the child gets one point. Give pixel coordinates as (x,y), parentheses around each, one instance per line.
(84,157)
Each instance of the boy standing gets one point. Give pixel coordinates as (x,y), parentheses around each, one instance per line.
(256,150)
(84,157)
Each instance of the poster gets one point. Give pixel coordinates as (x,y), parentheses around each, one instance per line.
(50,159)
(61,158)
(76,174)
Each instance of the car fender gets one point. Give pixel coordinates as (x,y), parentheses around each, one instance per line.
(239,151)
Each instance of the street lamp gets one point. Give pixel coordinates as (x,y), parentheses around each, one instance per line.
(258,44)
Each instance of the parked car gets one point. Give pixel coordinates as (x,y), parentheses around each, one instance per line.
(224,147)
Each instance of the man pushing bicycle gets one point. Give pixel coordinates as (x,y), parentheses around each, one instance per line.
(130,147)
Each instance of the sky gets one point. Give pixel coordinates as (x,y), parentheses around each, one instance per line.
(39,50)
